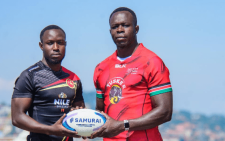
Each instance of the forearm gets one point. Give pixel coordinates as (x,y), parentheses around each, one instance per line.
(150,120)
(25,122)
(161,113)
(99,104)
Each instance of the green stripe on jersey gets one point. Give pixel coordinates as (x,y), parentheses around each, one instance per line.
(99,95)
(161,91)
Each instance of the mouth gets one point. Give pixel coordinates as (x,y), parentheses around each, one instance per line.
(120,38)
(55,55)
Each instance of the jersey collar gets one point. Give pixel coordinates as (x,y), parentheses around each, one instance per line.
(47,68)
(134,55)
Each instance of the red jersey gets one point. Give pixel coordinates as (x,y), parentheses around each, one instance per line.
(127,88)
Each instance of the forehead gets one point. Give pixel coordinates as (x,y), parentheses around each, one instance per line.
(121,17)
(53,34)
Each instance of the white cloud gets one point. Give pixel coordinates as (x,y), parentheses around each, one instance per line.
(6,84)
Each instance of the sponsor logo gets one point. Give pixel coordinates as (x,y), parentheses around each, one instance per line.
(85,120)
(62,102)
(132,71)
(116,85)
(70,83)
(62,95)
(117,80)
(120,66)
(115,94)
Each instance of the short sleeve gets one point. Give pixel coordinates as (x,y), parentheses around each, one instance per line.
(99,91)
(158,77)
(23,86)
(79,92)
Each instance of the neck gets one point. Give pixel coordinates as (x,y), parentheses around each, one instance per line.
(54,67)
(126,51)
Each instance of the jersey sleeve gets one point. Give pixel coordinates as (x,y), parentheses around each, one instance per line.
(99,91)
(79,92)
(23,86)
(158,77)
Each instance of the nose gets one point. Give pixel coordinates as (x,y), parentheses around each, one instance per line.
(120,29)
(55,46)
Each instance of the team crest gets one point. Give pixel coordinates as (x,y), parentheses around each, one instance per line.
(62,95)
(116,85)
(70,83)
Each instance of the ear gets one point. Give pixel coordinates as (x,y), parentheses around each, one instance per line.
(136,29)
(41,45)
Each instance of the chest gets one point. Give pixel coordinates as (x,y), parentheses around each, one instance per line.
(123,76)
(50,88)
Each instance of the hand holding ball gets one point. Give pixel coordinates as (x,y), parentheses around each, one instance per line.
(84,121)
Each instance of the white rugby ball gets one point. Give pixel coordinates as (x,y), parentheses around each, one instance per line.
(84,121)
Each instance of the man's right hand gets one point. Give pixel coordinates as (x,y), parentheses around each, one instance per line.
(59,130)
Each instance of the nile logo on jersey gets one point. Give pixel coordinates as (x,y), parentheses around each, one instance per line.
(62,102)
(62,95)
(116,85)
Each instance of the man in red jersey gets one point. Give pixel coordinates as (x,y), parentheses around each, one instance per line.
(133,85)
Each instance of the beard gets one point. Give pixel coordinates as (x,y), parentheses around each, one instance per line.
(53,61)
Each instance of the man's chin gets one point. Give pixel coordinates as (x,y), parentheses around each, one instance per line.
(121,45)
(53,61)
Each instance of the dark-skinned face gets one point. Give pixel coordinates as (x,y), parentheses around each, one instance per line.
(53,46)
(122,29)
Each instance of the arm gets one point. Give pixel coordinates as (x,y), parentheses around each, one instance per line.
(156,75)
(99,104)
(79,100)
(79,104)
(19,107)
(161,113)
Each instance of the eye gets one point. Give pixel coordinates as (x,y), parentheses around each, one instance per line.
(61,42)
(50,43)
(114,27)
(126,25)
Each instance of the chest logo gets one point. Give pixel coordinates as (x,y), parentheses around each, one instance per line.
(132,71)
(70,83)
(62,101)
(62,95)
(120,66)
(116,85)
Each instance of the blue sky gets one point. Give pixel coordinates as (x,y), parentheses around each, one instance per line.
(188,35)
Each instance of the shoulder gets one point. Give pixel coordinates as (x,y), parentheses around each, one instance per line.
(150,56)
(102,66)
(72,74)
(105,63)
(27,74)
(153,61)
(30,70)
(147,53)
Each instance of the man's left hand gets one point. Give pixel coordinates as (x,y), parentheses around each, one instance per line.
(110,129)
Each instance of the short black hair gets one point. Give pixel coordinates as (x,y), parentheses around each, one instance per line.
(125,9)
(49,27)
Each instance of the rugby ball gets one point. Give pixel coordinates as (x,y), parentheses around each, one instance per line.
(84,121)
